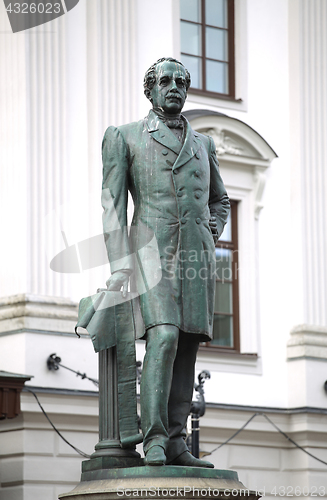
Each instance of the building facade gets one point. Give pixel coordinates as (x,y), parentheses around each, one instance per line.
(259,79)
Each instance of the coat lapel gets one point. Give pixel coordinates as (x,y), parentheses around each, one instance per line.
(190,147)
(161,133)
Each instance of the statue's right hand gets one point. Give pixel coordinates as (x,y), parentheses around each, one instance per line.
(117,281)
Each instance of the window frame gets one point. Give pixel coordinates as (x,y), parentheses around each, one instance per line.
(245,158)
(232,245)
(231,52)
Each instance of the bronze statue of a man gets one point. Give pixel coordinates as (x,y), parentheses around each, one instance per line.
(179,197)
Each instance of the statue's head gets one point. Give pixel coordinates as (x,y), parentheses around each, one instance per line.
(165,84)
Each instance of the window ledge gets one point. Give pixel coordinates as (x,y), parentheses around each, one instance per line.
(227,352)
(211,99)
(214,95)
(226,360)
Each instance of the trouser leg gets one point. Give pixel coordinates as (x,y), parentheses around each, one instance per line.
(181,394)
(157,373)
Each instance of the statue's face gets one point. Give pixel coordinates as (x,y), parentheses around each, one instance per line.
(169,91)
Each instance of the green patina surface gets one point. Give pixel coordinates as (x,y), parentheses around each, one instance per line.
(111,463)
(180,209)
(90,473)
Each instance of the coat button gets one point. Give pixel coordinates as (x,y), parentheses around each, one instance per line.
(180,193)
(197,155)
(165,152)
(197,195)
(183,220)
(197,173)
(198,220)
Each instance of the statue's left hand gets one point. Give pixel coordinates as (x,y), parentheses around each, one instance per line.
(213,227)
(117,281)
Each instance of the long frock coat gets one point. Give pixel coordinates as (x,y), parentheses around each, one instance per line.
(176,188)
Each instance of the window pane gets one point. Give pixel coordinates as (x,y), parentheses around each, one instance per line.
(194,66)
(216,44)
(223,331)
(227,232)
(217,77)
(224,298)
(224,264)
(191,38)
(190,10)
(216,12)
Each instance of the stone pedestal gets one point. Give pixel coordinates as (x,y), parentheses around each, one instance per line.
(167,482)
(108,452)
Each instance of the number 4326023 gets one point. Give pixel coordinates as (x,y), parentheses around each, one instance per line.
(33,8)
(299,491)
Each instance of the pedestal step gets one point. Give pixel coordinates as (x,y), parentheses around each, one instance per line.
(165,482)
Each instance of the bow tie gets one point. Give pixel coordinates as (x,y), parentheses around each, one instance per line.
(177,123)
(170,122)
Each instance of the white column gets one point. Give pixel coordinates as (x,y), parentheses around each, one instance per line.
(306,351)
(62,85)
(312,101)
(13,159)
(47,182)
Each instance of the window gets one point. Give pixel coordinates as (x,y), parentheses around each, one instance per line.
(207,45)
(226,316)
(244,158)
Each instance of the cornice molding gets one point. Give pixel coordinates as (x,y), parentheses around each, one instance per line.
(307,342)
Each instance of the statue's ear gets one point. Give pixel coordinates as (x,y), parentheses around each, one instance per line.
(147,93)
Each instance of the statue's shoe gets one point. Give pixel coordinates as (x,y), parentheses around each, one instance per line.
(187,460)
(155,456)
